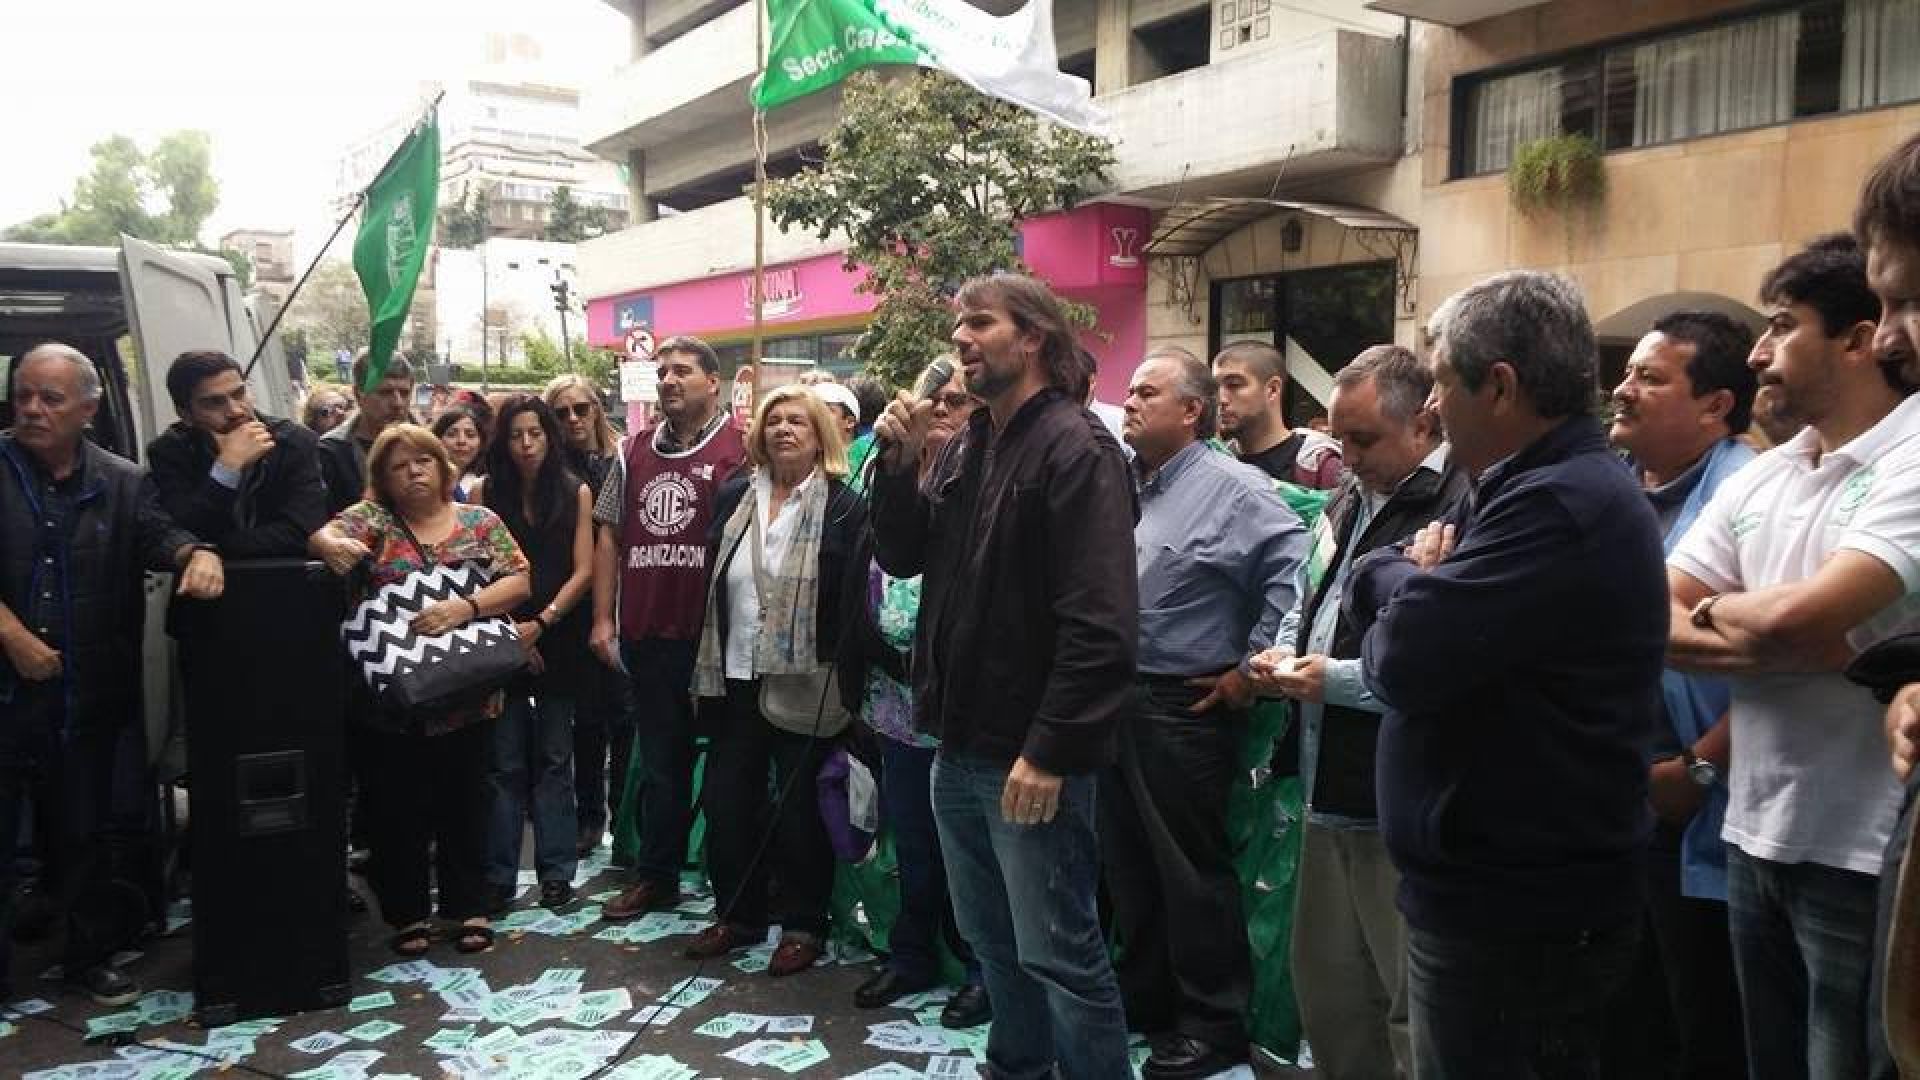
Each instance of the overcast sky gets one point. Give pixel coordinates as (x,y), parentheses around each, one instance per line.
(281,87)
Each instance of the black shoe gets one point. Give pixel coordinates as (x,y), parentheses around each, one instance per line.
(107,986)
(555,894)
(967,1008)
(1180,1057)
(883,988)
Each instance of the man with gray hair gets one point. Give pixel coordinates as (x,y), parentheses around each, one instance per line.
(1217,553)
(1518,645)
(81,525)
(1349,944)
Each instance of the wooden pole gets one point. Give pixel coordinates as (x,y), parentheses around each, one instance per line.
(759,196)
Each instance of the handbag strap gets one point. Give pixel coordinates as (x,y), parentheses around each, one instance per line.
(425,554)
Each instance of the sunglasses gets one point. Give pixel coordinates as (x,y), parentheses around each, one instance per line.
(579,411)
(335,409)
(954,400)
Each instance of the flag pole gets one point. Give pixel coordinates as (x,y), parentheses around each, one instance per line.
(759,195)
(359,199)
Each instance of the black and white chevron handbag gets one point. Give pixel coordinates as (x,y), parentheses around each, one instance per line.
(421,674)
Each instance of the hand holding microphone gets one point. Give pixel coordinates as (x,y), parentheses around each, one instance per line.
(902,430)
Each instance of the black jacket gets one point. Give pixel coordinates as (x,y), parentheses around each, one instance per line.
(343,465)
(1029,608)
(280,501)
(120,531)
(1343,772)
(846,518)
(1522,676)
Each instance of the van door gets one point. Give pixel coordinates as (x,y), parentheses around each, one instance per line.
(175,303)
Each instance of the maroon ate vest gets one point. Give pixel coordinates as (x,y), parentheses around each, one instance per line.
(663,532)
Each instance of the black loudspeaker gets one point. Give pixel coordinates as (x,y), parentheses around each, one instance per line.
(265,692)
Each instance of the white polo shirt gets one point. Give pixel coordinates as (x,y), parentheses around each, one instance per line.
(1810,780)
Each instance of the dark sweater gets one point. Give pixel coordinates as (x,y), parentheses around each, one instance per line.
(1522,676)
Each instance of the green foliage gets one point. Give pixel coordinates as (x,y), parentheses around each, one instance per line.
(163,196)
(545,358)
(463,222)
(242,266)
(1556,174)
(928,178)
(570,221)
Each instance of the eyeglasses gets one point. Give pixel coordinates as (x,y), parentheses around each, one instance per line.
(955,400)
(579,411)
(335,409)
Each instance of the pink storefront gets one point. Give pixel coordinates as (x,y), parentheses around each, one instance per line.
(813,314)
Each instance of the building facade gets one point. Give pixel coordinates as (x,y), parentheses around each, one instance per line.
(1730,135)
(508,283)
(1318,177)
(270,251)
(1223,114)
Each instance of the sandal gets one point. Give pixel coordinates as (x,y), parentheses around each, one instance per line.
(412,942)
(473,939)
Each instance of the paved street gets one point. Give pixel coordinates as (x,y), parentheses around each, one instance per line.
(553,1000)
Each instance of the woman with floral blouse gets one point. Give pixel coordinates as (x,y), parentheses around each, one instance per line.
(425,786)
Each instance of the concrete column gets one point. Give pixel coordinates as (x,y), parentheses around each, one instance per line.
(637,27)
(1112,46)
(643,208)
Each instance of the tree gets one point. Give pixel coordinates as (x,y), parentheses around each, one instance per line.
(331,311)
(465,224)
(242,266)
(544,356)
(570,221)
(928,179)
(163,196)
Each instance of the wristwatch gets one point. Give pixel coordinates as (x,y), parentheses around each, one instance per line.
(1702,613)
(1702,772)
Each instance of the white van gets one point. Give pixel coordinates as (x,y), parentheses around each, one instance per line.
(133,309)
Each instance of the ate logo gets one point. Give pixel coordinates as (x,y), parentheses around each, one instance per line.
(668,504)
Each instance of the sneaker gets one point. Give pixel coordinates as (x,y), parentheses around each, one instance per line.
(107,986)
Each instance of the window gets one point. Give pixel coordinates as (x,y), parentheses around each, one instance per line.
(1171,46)
(1325,315)
(1810,59)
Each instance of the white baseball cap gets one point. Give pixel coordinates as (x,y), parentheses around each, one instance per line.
(834,393)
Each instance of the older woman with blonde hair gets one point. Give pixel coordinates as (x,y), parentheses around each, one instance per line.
(783,537)
(603,713)
(426,778)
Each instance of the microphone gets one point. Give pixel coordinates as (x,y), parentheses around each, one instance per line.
(939,374)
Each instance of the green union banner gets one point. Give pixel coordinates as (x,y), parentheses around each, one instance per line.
(817,43)
(396,228)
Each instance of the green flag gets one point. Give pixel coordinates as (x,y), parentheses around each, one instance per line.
(817,43)
(396,228)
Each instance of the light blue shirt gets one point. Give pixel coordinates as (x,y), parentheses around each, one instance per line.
(1218,553)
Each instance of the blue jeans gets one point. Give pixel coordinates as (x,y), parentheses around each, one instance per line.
(1497,1008)
(1024,896)
(1803,954)
(532,757)
(926,907)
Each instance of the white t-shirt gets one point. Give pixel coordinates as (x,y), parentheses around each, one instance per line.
(1810,780)
(743,593)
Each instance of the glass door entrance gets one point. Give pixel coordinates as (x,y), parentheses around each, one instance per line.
(1319,319)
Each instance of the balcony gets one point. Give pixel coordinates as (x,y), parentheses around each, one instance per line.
(1451,12)
(680,88)
(1325,104)
(701,243)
